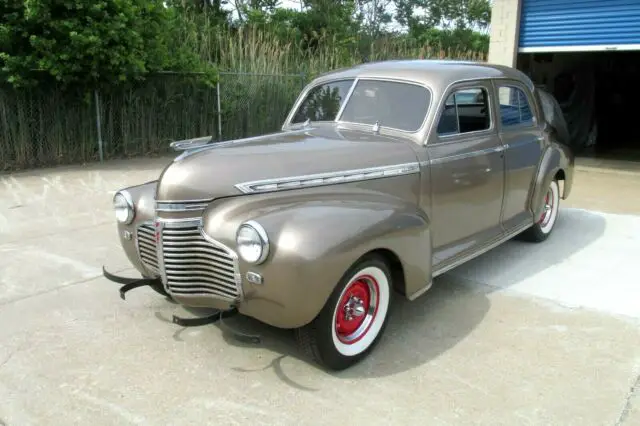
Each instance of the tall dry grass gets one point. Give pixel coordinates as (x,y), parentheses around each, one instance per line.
(47,126)
(251,49)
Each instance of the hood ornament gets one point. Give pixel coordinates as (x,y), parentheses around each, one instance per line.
(186,144)
(376,128)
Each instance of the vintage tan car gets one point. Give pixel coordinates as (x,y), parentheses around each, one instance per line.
(384,176)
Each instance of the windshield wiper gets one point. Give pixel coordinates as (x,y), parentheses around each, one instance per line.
(307,123)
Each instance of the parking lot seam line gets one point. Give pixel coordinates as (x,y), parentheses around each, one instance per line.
(626,408)
(82,281)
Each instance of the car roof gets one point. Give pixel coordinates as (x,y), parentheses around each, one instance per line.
(438,74)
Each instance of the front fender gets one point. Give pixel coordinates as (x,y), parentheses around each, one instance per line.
(314,239)
(555,158)
(143,197)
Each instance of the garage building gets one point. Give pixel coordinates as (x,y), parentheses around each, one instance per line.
(585,52)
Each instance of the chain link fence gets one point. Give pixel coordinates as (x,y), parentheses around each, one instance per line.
(49,126)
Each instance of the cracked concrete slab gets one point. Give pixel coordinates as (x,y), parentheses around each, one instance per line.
(526,334)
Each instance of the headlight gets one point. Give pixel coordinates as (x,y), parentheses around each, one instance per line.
(123,205)
(253,244)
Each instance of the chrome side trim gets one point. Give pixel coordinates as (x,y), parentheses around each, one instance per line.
(323,179)
(495,243)
(179,223)
(448,158)
(199,200)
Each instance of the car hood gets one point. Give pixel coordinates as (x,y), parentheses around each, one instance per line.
(214,171)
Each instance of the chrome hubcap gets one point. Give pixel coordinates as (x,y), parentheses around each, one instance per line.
(356,309)
(547,212)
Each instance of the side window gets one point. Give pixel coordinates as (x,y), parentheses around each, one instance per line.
(465,110)
(515,108)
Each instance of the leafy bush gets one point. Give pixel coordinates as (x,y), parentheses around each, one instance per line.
(90,42)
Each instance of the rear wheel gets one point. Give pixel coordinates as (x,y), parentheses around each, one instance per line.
(541,230)
(354,318)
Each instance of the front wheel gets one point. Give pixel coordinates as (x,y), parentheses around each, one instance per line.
(541,230)
(353,319)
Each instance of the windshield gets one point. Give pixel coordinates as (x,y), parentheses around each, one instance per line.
(323,102)
(392,104)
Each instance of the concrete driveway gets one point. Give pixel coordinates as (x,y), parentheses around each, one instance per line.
(527,334)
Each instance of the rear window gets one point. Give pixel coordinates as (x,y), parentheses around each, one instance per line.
(514,107)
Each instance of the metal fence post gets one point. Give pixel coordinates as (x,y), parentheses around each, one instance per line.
(302,80)
(219,114)
(98,125)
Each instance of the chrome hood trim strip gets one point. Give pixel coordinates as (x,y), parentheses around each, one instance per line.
(182,206)
(323,179)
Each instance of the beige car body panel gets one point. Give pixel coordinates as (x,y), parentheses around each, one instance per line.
(328,193)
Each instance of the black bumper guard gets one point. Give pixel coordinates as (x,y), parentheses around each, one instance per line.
(129,284)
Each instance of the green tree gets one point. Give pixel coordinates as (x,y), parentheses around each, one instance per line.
(89,42)
(443,13)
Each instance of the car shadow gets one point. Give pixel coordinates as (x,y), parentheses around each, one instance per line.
(424,329)
(516,261)
(417,332)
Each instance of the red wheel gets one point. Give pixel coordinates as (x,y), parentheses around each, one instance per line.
(357,309)
(353,319)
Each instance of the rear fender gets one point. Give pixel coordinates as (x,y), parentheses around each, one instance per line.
(554,159)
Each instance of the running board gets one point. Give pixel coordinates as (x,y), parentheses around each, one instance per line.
(479,252)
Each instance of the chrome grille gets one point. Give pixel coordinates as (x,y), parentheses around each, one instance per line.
(147,246)
(194,265)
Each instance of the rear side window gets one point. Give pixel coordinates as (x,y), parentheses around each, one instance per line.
(515,108)
(465,110)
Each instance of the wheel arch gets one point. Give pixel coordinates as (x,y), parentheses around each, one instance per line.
(395,267)
(556,164)
(561,176)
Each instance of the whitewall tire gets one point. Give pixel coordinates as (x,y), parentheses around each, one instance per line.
(353,318)
(541,230)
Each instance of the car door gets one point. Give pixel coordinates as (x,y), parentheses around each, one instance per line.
(522,138)
(466,168)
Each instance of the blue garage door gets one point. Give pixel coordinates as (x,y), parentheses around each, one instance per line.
(579,25)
